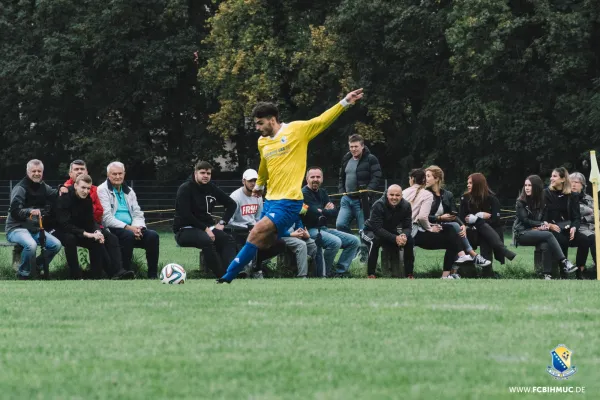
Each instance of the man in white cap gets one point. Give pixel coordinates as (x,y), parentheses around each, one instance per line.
(247,214)
(249,208)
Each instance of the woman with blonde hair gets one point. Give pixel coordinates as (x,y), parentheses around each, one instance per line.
(563,214)
(426,235)
(444,212)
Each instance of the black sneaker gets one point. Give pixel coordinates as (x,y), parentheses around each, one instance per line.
(221,280)
(568,267)
(22,277)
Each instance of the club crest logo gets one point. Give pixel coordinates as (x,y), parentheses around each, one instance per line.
(283,140)
(562,359)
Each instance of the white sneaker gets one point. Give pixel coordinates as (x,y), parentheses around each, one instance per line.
(464,259)
(258,275)
(455,276)
(548,277)
(568,266)
(447,277)
(482,262)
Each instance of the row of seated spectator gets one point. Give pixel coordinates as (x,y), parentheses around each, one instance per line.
(425,215)
(194,225)
(556,218)
(107,220)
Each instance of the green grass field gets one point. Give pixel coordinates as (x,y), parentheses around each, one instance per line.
(284,338)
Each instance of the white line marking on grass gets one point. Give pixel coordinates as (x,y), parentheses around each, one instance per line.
(477,307)
(554,310)
(387,305)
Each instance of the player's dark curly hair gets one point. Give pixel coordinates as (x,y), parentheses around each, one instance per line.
(265,110)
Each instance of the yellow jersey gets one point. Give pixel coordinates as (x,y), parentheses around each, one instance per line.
(283,156)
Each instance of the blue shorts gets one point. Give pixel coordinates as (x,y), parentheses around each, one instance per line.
(283,213)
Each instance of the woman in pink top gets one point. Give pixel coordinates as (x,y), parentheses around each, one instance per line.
(430,236)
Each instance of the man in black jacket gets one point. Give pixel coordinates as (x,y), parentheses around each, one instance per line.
(31,199)
(194,224)
(360,170)
(390,226)
(76,227)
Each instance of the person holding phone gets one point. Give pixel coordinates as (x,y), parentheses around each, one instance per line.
(427,235)
(444,212)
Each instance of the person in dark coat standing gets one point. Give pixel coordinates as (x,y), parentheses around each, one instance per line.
(360,170)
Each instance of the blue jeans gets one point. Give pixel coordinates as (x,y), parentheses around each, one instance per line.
(456,226)
(333,241)
(29,242)
(349,209)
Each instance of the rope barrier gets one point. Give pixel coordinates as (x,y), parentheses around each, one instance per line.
(157,211)
(158,222)
(357,192)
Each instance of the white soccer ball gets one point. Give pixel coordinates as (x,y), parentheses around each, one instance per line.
(173,274)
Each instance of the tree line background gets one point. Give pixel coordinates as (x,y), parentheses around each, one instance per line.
(506,88)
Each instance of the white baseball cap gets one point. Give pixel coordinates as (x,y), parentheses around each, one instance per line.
(250,174)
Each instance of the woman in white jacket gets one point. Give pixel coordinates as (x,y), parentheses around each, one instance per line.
(430,236)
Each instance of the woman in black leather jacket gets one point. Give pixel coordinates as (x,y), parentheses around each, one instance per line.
(444,212)
(480,209)
(563,215)
(530,229)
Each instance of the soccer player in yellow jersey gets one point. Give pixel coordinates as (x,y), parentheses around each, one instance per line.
(282,149)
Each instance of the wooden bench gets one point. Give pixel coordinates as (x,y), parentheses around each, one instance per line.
(392,265)
(16,253)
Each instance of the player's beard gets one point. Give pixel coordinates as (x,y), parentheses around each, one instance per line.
(267,130)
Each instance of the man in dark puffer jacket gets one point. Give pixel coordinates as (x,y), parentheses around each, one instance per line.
(360,170)
(390,226)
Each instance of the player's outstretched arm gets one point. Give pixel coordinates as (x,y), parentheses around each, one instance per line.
(317,125)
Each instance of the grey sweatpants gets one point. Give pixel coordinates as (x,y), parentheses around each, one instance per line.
(302,249)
